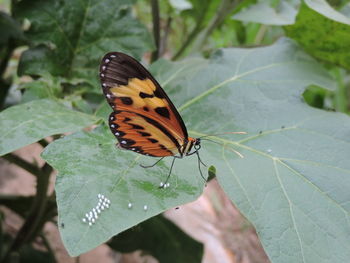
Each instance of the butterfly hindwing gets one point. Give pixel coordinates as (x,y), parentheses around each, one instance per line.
(144,119)
(134,132)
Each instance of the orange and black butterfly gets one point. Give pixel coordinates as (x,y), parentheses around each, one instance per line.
(144,119)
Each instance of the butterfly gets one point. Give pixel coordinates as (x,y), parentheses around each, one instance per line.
(144,119)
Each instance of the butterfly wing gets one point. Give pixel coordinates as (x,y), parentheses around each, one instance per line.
(144,118)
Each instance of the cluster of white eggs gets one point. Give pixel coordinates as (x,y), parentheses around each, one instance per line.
(92,215)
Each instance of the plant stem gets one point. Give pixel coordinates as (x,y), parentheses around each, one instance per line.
(5,86)
(192,36)
(164,40)
(22,163)
(156,29)
(340,98)
(33,223)
(6,57)
(225,8)
(260,35)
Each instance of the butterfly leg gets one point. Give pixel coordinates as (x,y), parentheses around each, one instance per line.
(171,168)
(149,166)
(196,152)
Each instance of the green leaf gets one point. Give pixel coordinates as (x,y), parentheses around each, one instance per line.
(323,32)
(315,96)
(43,88)
(70,37)
(323,8)
(90,164)
(165,241)
(291,184)
(30,122)
(180,5)
(264,12)
(36,90)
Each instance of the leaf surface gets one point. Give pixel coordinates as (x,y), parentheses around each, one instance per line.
(93,165)
(291,184)
(30,122)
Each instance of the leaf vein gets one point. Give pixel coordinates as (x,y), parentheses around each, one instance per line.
(290,204)
(221,84)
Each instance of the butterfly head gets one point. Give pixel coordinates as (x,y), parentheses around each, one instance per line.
(197,143)
(190,144)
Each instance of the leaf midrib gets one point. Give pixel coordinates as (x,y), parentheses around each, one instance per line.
(231,79)
(281,161)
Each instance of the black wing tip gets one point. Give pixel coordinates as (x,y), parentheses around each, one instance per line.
(115,55)
(106,77)
(107,58)
(118,68)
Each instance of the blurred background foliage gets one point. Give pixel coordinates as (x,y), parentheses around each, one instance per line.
(183,28)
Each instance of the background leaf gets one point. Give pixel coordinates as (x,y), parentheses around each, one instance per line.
(324,8)
(291,183)
(70,37)
(265,13)
(180,5)
(323,32)
(30,122)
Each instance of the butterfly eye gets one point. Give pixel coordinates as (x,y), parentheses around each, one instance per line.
(198,142)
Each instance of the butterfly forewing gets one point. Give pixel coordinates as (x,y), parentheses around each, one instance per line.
(144,119)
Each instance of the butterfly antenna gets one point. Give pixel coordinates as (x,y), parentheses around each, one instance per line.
(222,134)
(199,167)
(229,148)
